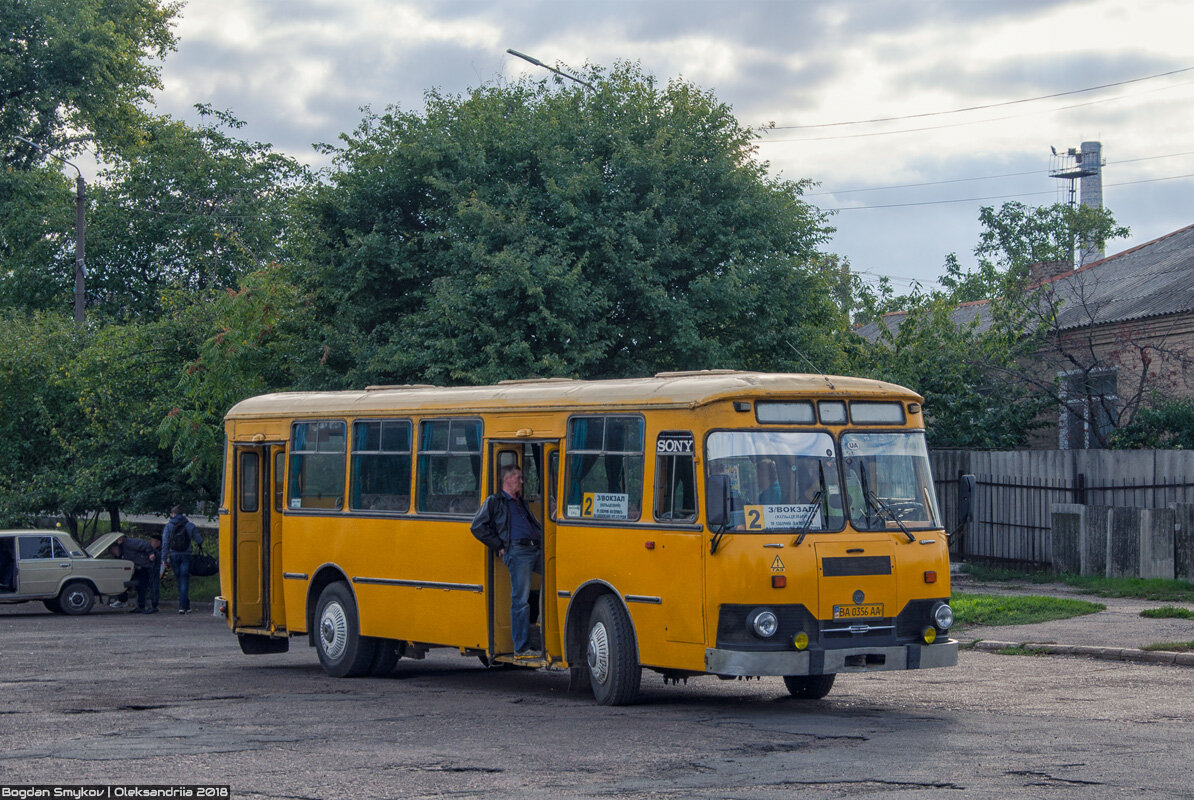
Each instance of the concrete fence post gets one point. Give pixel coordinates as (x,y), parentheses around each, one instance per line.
(1156,542)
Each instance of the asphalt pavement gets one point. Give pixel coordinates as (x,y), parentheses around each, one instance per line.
(1118,633)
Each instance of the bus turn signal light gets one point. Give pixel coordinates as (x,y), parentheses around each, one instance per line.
(930,576)
(779,581)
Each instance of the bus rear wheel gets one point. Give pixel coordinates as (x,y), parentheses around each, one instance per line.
(343,652)
(612,657)
(809,687)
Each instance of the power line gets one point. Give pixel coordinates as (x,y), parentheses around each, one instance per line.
(976,199)
(957,124)
(981,177)
(982,107)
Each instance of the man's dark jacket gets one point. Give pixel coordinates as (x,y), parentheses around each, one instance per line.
(491,524)
(138,551)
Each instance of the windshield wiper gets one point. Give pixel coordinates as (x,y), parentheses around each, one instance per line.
(808,521)
(812,512)
(877,502)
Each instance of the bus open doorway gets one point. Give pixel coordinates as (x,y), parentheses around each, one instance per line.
(539,462)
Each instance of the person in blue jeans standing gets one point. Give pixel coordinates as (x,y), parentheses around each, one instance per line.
(505,524)
(177,537)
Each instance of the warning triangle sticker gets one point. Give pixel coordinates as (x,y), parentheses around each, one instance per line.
(777,565)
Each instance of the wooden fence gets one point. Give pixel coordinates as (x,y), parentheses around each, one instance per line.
(1016,491)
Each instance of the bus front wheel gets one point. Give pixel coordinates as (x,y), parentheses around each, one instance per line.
(612,657)
(343,652)
(809,687)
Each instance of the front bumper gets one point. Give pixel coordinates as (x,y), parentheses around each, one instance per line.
(825,662)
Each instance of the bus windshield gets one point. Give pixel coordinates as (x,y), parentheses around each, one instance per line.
(779,480)
(887,481)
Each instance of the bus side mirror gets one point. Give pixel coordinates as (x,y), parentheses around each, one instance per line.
(966,485)
(717,500)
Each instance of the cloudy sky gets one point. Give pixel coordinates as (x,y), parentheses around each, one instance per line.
(950,105)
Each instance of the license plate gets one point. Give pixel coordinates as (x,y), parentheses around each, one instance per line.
(858,612)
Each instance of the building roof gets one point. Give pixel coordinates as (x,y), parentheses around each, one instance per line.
(1150,280)
(666,390)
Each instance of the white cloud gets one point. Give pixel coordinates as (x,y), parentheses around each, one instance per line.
(298,71)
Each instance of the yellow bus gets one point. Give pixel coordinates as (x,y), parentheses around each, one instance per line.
(703,523)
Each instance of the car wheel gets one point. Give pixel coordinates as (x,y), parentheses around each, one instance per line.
(612,655)
(809,687)
(343,652)
(76,598)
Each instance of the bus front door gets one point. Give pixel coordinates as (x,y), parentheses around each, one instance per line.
(250,537)
(536,460)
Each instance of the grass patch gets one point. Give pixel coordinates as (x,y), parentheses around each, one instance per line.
(988,609)
(1140,588)
(1177,647)
(201,588)
(1167,612)
(1021,650)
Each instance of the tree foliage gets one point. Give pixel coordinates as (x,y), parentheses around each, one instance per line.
(1164,424)
(1016,236)
(186,209)
(263,337)
(522,230)
(77,69)
(965,370)
(36,238)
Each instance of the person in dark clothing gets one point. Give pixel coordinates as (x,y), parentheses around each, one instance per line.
(505,525)
(155,574)
(144,558)
(177,537)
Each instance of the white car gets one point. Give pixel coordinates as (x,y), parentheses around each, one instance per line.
(52,567)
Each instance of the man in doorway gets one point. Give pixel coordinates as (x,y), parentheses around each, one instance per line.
(505,525)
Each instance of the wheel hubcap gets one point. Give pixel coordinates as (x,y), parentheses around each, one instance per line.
(333,631)
(75,599)
(598,654)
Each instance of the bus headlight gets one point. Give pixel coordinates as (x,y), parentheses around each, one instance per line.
(763,623)
(943,616)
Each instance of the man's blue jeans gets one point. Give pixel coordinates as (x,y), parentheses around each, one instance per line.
(181,564)
(521,561)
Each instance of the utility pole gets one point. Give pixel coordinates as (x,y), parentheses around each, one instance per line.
(80,228)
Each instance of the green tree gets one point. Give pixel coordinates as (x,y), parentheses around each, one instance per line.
(183,210)
(37,423)
(37,214)
(123,384)
(524,230)
(1164,424)
(261,338)
(1015,236)
(72,70)
(966,369)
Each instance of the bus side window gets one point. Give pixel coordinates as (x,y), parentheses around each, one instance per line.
(604,466)
(675,477)
(380,465)
(449,466)
(317,451)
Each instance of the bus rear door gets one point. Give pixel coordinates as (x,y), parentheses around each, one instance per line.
(255,486)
